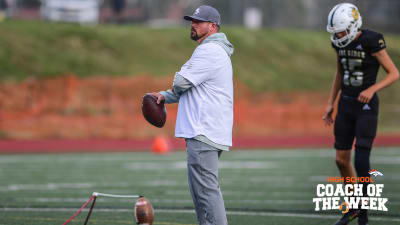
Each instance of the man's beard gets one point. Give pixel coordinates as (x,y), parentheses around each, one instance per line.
(194,36)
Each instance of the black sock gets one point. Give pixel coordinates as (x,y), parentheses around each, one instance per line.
(362,166)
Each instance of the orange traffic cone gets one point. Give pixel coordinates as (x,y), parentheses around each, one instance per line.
(160,145)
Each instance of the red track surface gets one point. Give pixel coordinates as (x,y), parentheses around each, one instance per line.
(64,146)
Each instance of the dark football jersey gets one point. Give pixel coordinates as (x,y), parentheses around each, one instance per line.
(359,68)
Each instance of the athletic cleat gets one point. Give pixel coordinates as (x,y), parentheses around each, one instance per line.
(348,217)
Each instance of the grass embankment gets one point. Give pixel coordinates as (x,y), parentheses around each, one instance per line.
(266,60)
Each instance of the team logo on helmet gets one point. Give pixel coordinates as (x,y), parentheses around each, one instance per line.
(355,14)
(381,43)
(197,11)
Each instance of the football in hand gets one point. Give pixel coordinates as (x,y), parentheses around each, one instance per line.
(144,213)
(154,113)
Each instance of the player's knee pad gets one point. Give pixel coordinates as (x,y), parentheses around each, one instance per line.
(364,142)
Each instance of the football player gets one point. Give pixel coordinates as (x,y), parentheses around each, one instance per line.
(360,53)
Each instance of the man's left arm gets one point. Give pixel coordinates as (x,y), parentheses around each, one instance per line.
(192,73)
(180,86)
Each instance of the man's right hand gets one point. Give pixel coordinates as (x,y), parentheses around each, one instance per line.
(327,117)
(160,97)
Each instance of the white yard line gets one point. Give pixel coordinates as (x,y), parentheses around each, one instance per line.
(385,160)
(174,201)
(240,193)
(49,186)
(181,165)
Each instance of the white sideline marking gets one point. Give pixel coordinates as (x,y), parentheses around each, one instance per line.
(297,153)
(180,165)
(385,160)
(152,183)
(49,186)
(155,200)
(187,211)
(56,186)
(240,193)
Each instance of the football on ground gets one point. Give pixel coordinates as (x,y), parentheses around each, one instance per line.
(144,213)
(154,113)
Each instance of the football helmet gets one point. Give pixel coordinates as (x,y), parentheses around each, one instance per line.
(344,17)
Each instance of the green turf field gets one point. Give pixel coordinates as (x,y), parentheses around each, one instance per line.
(259,187)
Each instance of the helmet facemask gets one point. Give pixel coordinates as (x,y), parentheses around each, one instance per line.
(350,35)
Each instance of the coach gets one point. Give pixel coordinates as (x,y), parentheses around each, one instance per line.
(204,89)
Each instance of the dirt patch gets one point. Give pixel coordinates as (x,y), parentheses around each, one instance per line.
(68,107)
